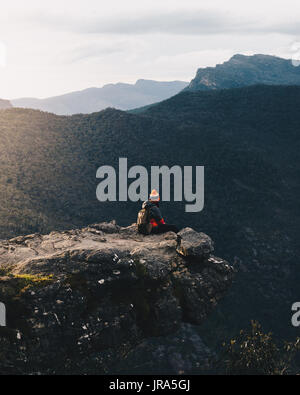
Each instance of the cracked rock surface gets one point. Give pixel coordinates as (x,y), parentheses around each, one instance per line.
(87,300)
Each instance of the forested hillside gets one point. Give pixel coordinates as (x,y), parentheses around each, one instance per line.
(247,139)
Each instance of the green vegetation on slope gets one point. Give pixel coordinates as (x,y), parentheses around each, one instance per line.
(247,139)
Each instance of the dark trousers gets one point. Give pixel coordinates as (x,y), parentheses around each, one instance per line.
(163,228)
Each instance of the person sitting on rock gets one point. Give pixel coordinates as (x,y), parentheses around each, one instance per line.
(150,219)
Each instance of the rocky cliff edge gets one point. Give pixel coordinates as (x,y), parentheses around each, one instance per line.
(82,301)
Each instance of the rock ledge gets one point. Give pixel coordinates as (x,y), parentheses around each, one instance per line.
(78,301)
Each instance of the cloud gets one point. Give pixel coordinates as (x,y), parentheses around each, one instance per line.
(187,22)
(178,22)
(60,46)
(181,22)
(94,51)
(291,28)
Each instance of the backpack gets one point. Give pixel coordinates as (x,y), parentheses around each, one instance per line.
(143,222)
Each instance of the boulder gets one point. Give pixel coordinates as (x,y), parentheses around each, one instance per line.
(192,244)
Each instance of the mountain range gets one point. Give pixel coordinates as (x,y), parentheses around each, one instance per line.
(121,96)
(239,71)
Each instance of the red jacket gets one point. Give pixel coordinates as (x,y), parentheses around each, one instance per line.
(154,213)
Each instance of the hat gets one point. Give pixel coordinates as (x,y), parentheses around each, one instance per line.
(154,197)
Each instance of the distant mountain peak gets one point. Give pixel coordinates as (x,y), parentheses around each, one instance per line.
(257,58)
(120,95)
(244,70)
(143,80)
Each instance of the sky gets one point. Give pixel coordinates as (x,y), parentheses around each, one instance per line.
(49,48)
